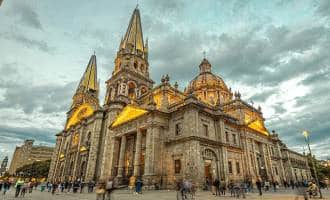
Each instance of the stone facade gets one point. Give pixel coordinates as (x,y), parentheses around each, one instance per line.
(27,154)
(162,134)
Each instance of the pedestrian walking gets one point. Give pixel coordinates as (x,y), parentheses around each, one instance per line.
(109,188)
(24,189)
(1,184)
(82,186)
(223,188)
(6,185)
(243,188)
(54,187)
(217,187)
(138,186)
(90,186)
(42,186)
(179,189)
(259,186)
(30,186)
(231,188)
(267,185)
(62,187)
(100,191)
(275,183)
(69,186)
(18,187)
(76,185)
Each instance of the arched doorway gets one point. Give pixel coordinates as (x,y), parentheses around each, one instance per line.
(210,165)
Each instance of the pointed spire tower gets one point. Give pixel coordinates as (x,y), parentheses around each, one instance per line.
(85,100)
(88,88)
(134,36)
(130,77)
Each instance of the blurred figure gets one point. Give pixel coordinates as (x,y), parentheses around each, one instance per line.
(109,188)
(18,187)
(90,186)
(259,186)
(100,191)
(138,186)
(6,186)
(54,187)
(223,188)
(82,186)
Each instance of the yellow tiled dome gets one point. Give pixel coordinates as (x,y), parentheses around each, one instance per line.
(208,87)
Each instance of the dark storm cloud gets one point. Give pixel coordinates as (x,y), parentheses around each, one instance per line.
(29,98)
(324,8)
(247,57)
(27,42)
(44,98)
(26,15)
(256,59)
(263,95)
(168,7)
(23,133)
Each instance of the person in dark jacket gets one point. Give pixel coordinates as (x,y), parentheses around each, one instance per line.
(259,186)
(217,187)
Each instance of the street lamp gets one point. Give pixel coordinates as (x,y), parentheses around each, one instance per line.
(306,135)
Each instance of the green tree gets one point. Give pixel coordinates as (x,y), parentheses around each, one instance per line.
(38,169)
(322,171)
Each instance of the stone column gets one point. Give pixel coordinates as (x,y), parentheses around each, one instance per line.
(121,156)
(147,160)
(152,156)
(93,155)
(137,156)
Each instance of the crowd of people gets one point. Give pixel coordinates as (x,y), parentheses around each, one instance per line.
(186,189)
(240,189)
(68,186)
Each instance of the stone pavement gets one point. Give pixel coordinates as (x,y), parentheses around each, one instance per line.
(151,195)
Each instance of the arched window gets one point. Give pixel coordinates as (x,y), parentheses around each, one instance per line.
(131,90)
(83,170)
(88,139)
(143,90)
(135,65)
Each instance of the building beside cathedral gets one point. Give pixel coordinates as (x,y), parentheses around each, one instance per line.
(163,134)
(29,153)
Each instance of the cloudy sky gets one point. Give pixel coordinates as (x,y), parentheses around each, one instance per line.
(276,53)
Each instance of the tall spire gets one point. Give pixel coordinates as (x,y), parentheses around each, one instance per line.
(134,34)
(88,81)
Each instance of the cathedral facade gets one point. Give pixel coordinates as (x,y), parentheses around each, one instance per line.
(162,134)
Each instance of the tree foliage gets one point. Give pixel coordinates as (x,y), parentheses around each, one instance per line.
(36,169)
(322,171)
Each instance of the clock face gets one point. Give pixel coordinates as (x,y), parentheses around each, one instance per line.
(82,112)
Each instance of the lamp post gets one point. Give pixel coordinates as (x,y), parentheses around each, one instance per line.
(306,135)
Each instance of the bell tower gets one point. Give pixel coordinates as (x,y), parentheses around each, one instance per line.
(130,78)
(85,101)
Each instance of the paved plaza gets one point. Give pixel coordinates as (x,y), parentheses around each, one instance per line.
(151,195)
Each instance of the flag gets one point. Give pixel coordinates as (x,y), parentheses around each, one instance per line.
(305,134)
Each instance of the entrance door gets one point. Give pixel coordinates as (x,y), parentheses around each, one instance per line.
(207,172)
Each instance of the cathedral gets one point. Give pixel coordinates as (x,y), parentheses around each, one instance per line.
(161,134)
